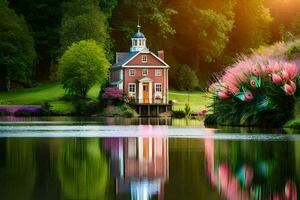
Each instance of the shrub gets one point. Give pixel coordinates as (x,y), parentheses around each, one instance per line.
(186,79)
(83,65)
(178,114)
(113,94)
(187,109)
(254,92)
(292,51)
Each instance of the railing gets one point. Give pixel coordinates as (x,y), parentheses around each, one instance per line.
(149,101)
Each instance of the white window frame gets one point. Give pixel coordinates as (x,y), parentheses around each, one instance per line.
(144,58)
(158,72)
(131,70)
(145,74)
(131,84)
(161,88)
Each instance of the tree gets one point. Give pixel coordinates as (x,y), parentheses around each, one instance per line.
(16,48)
(212,35)
(44,19)
(83,65)
(186,79)
(252,25)
(83,20)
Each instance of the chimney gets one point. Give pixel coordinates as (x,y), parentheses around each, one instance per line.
(161,54)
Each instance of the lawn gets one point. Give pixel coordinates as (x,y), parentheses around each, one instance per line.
(197,100)
(52,93)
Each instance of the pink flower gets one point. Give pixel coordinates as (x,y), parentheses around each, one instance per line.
(202,112)
(288,89)
(255,71)
(223,95)
(293,85)
(248,96)
(276,79)
(285,75)
(291,69)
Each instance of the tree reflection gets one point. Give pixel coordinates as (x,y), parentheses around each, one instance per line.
(19,175)
(82,169)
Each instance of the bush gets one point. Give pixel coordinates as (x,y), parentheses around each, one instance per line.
(178,114)
(187,109)
(83,65)
(257,92)
(113,94)
(120,111)
(186,79)
(292,51)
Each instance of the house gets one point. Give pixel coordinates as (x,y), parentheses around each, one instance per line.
(142,74)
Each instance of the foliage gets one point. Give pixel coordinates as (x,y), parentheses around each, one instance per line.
(252,25)
(178,114)
(212,30)
(292,51)
(83,20)
(119,111)
(187,109)
(82,66)
(81,164)
(185,79)
(113,94)
(16,49)
(255,92)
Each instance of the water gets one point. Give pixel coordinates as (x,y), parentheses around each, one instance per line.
(67,158)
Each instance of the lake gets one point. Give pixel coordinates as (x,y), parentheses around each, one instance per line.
(143,159)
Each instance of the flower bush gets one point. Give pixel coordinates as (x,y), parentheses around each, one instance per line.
(113,94)
(254,92)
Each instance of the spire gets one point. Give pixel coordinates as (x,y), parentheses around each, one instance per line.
(138,26)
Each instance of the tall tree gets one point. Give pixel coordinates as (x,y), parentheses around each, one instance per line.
(252,25)
(83,20)
(16,48)
(44,18)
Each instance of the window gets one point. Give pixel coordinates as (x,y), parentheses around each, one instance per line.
(131,87)
(158,72)
(145,72)
(158,88)
(132,72)
(144,59)
(134,42)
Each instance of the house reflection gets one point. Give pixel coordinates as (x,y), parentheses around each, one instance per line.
(140,166)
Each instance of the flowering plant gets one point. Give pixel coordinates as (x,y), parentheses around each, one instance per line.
(254,92)
(113,94)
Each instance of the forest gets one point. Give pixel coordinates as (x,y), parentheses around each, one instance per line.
(204,36)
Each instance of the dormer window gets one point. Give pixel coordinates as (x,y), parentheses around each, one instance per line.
(144,59)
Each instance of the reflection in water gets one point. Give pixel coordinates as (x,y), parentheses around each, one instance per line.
(18,169)
(82,169)
(148,168)
(240,170)
(140,166)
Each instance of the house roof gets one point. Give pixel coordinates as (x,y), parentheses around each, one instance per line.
(123,58)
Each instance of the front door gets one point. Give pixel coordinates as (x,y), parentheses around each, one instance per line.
(145,92)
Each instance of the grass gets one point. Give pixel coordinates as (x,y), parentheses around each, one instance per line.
(53,93)
(50,93)
(197,100)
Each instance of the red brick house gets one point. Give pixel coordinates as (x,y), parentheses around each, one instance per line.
(141,73)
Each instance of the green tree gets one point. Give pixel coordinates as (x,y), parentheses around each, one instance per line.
(83,65)
(212,35)
(83,20)
(186,79)
(252,25)
(16,48)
